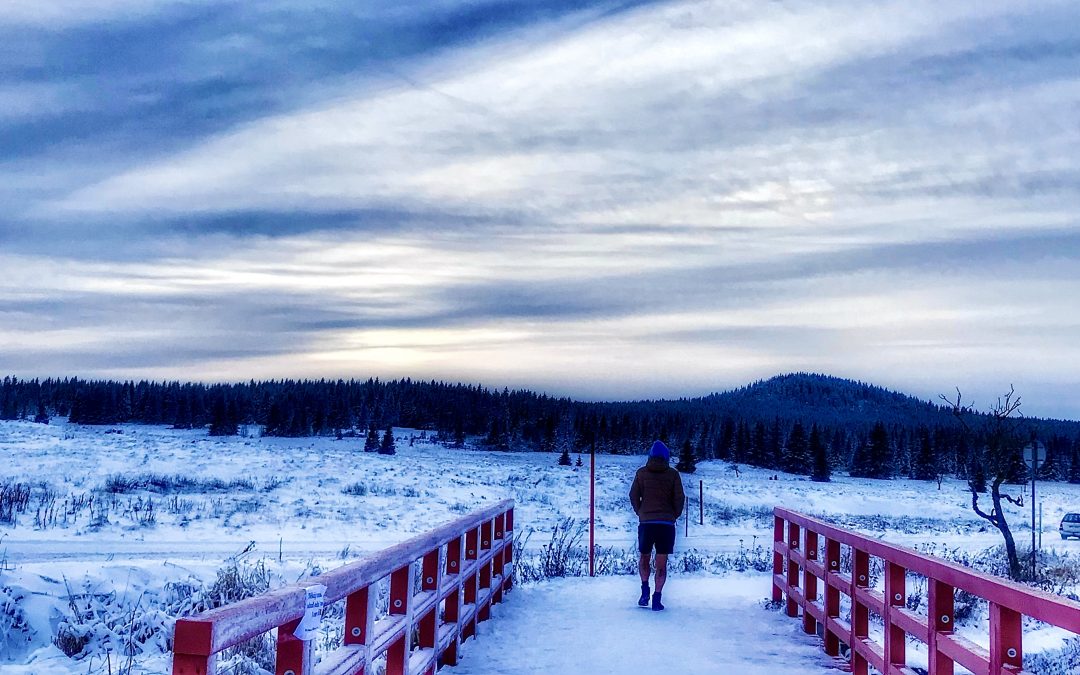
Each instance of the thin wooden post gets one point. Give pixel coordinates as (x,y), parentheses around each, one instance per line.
(192,642)
(832,596)
(778,559)
(400,592)
(1006,638)
(293,654)
(793,537)
(359,617)
(810,582)
(895,596)
(941,612)
(860,615)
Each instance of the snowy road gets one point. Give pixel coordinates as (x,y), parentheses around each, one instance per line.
(712,625)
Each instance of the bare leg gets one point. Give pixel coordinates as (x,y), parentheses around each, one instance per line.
(661,571)
(643,567)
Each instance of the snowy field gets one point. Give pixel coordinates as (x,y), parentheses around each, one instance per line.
(95,526)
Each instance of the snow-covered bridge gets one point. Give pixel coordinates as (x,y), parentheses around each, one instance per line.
(711,625)
(444,584)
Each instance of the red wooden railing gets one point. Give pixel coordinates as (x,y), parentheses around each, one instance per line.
(807,551)
(465,566)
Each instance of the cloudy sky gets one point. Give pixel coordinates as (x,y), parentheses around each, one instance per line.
(597,199)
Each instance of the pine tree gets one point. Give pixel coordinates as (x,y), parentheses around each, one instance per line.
(687,461)
(796,452)
(220,422)
(578,460)
(387,445)
(925,467)
(564,458)
(873,459)
(371,443)
(42,416)
(822,472)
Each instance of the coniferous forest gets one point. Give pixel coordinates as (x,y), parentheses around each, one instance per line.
(800,423)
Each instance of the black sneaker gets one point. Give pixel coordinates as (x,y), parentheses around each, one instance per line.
(657,606)
(643,601)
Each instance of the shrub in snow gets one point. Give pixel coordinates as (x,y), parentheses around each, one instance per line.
(15,631)
(1064,661)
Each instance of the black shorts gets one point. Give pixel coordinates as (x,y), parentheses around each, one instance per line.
(660,535)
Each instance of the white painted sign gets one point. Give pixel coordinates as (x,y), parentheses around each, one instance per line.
(1034,454)
(313,607)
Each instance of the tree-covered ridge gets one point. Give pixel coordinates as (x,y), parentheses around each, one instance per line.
(784,423)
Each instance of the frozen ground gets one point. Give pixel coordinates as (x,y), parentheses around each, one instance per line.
(317,503)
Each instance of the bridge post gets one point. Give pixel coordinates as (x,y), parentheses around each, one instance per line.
(483,612)
(832,596)
(192,649)
(293,654)
(397,657)
(1006,638)
(895,596)
(778,558)
(940,610)
(860,615)
(793,536)
(508,552)
(810,585)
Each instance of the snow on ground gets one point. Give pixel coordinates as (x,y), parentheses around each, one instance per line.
(319,502)
(711,625)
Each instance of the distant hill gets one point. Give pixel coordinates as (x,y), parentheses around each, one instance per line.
(829,401)
(832,401)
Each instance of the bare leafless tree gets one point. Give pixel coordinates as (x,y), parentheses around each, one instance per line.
(998,438)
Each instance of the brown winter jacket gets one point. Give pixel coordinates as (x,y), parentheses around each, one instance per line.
(657,492)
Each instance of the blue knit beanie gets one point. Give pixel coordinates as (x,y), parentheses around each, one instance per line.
(660,450)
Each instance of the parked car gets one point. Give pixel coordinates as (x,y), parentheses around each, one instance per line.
(1070,526)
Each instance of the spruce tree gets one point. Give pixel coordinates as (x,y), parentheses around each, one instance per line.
(687,461)
(796,452)
(371,443)
(42,416)
(822,472)
(387,445)
(924,468)
(578,460)
(564,458)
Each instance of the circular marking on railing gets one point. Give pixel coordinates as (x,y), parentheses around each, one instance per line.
(471,552)
(498,535)
(486,543)
(1011,652)
(945,618)
(898,597)
(430,580)
(356,631)
(862,577)
(397,603)
(835,564)
(453,563)
(794,543)
(290,672)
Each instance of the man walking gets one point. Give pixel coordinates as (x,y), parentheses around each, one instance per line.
(657,498)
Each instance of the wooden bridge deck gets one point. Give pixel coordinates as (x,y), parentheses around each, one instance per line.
(712,625)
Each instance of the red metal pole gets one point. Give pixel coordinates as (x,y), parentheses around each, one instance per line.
(592,511)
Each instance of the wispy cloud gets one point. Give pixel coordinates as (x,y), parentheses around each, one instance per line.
(614,200)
